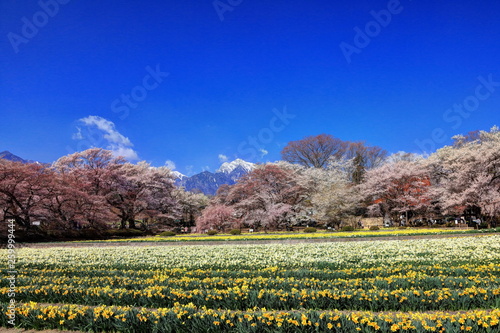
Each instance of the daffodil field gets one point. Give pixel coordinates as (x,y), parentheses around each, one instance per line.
(277,236)
(425,285)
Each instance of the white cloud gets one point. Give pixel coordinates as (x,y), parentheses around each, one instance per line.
(263,152)
(222,158)
(170,164)
(116,142)
(205,168)
(128,153)
(78,135)
(108,127)
(402,155)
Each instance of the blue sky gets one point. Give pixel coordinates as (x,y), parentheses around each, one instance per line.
(199,82)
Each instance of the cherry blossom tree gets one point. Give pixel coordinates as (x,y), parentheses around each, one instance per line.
(266,197)
(216,217)
(83,181)
(221,194)
(467,174)
(108,183)
(92,169)
(190,205)
(141,189)
(334,197)
(69,207)
(398,188)
(22,189)
(404,156)
(330,197)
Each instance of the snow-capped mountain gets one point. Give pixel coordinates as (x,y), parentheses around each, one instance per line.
(208,182)
(228,167)
(178,175)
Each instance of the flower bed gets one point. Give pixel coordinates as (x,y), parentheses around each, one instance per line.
(285,235)
(450,284)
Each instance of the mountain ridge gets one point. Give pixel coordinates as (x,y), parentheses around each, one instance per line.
(209,182)
(228,167)
(206,182)
(7,155)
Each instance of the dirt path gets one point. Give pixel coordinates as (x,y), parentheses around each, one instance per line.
(264,241)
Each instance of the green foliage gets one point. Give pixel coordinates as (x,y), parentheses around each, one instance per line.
(167,234)
(235,232)
(69,234)
(310,229)
(374,227)
(124,232)
(212,232)
(347,228)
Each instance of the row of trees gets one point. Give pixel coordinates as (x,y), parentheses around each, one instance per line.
(321,179)
(464,176)
(93,189)
(282,195)
(319,151)
(326,180)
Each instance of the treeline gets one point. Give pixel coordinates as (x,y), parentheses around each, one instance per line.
(328,182)
(321,180)
(93,191)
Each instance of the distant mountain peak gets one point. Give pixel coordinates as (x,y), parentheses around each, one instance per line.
(7,155)
(178,175)
(208,182)
(228,167)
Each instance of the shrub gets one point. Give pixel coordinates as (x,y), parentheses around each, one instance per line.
(212,232)
(347,228)
(89,234)
(167,234)
(70,234)
(235,232)
(374,227)
(310,229)
(60,234)
(124,232)
(402,227)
